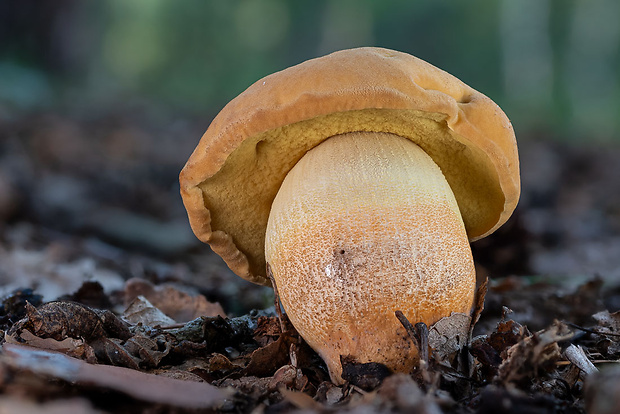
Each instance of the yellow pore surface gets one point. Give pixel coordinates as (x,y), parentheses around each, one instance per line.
(365,224)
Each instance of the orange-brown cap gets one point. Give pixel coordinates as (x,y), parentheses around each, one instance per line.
(233,175)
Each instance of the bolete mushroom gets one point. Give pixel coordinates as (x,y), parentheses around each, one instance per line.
(358,178)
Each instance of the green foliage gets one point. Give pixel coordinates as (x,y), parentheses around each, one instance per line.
(553,65)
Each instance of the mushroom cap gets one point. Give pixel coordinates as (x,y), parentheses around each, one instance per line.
(230,180)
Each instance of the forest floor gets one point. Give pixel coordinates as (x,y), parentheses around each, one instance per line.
(110,304)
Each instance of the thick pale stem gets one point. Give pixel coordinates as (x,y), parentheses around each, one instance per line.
(364,225)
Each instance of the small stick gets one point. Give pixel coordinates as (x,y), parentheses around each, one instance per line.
(592,331)
(594,361)
(419,336)
(422,334)
(408,327)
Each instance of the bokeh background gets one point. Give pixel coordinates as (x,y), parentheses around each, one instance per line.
(101,103)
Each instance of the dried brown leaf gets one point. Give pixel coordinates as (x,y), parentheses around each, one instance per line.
(506,334)
(140,310)
(111,351)
(59,320)
(485,353)
(179,303)
(289,377)
(268,330)
(150,351)
(609,321)
(490,350)
(114,326)
(328,393)
(77,348)
(219,362)
(533,355)
(266,360)
(449,335)
(481,293)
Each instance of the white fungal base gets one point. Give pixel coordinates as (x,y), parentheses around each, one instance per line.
(365,224)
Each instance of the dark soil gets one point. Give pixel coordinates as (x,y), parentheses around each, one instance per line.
(109,303)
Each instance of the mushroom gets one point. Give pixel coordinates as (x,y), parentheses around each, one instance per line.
(359,179)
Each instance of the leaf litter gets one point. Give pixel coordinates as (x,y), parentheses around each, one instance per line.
(527,346)
(248,363)
(540,345)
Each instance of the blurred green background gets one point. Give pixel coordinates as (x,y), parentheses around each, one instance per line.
(102,102)
(553,65)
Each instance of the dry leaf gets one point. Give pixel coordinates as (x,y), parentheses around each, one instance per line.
(179,303)
(77,348)
(15,405)
(219,362)
(576,355)
(329,393)
(139,385)
(266,360)
(150,351)
(267,330)
(142,311)
(59,320)
(533,355)
(448,335)
(481,293)
(610,321)
(111,351)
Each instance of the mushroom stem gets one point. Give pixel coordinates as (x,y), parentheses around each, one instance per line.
(363,225)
